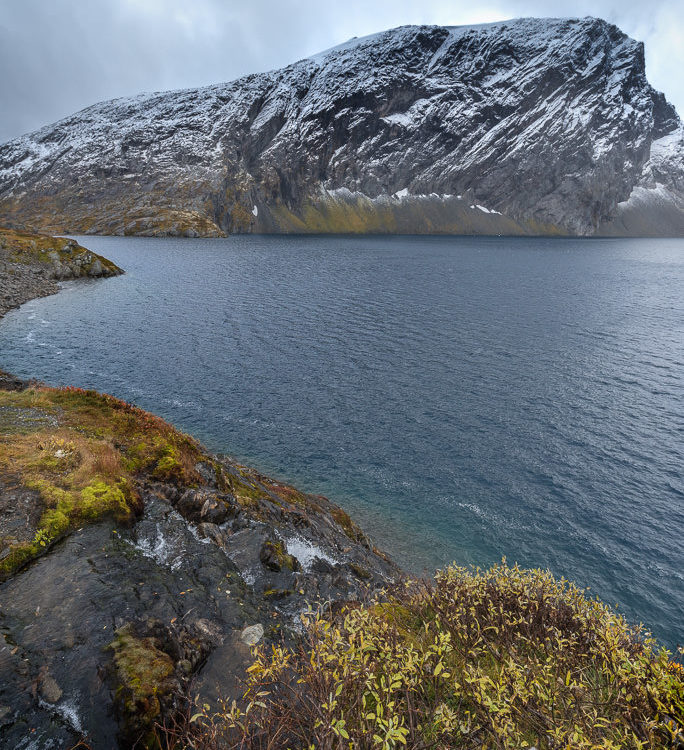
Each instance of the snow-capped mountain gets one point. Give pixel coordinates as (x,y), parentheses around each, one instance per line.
(526,126)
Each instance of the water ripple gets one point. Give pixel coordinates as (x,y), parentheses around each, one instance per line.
(465,398)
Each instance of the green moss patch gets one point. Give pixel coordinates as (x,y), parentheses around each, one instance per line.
(83,453)
(144,675)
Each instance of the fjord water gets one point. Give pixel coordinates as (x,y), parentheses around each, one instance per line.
(465,398)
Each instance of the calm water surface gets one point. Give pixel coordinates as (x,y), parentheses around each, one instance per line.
(466,399)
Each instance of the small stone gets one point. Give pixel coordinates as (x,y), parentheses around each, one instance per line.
(50,691)
(213,511)
(212,531)
(252,634)
(208,630)
(185,667)
(190,505)
(96,268)
(206,471)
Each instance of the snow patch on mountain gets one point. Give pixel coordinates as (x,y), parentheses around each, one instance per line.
(550,122)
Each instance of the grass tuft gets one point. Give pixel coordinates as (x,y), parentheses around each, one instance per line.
(86,468)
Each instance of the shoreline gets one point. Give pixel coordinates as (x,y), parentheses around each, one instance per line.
(125,542)
(32,265)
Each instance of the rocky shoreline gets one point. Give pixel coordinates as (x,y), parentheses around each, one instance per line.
(32,265)
(138,571)
(111,626)
(137,568)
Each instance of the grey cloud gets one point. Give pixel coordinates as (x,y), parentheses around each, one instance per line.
(60,56)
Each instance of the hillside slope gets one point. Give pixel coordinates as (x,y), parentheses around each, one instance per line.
(136,569)
(527,126)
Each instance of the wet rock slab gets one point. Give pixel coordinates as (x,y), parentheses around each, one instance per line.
(60,615)
(166,602)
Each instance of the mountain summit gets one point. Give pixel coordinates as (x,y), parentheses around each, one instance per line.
(529,126)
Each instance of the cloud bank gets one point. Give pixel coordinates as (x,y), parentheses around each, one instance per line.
(60,56)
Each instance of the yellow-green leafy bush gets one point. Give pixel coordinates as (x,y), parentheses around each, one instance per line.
(506,658)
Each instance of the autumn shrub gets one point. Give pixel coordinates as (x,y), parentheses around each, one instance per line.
(504,658)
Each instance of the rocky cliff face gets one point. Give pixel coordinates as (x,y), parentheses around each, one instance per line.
(525,126)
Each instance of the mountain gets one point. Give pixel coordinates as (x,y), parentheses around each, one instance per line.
(529,126)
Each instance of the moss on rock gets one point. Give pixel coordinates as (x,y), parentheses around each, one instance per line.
(351,529)
(275,557)
(60,257)
(143,677)
(86,462)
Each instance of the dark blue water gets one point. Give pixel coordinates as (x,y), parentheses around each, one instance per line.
(466,399)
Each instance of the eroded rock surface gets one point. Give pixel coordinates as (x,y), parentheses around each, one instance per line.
(113,625)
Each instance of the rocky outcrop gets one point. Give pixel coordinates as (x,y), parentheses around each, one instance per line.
(139,569)
(532,126)
(31,265)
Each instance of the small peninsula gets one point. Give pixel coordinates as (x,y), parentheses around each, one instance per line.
(32,265)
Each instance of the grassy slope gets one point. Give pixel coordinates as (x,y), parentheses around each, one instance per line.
(82,454)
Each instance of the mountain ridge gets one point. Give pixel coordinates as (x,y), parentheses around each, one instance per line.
(528,126)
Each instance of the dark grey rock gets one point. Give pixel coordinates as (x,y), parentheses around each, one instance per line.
(190,505)
(214,511)
(213,532)
(187,589)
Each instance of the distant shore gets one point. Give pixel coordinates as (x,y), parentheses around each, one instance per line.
(32,265)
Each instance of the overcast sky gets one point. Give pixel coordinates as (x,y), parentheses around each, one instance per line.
(58,56)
